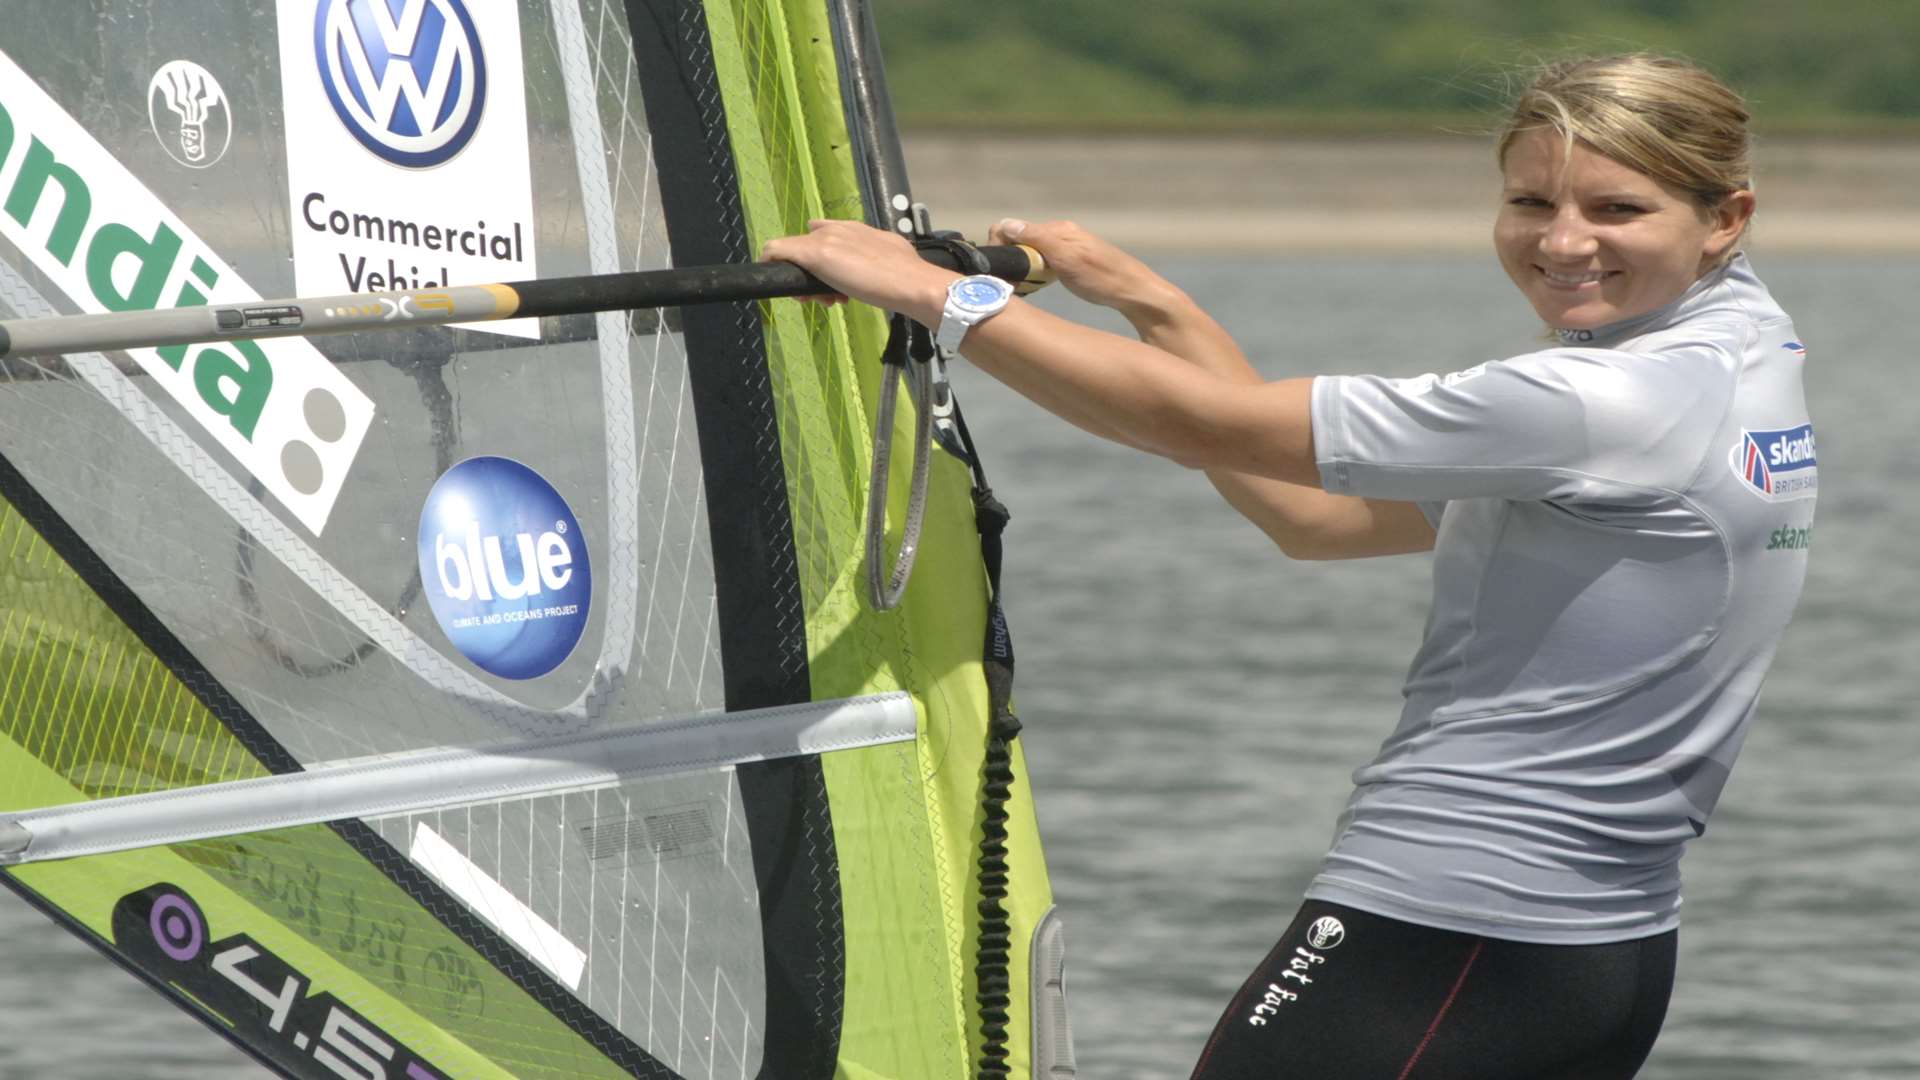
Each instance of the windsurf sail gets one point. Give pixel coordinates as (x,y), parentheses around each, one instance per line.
(493,699)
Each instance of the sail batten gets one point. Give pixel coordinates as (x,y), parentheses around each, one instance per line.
(451,779)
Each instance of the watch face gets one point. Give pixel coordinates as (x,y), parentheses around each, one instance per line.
(981,292)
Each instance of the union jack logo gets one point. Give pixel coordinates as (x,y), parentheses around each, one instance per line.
(1754,465)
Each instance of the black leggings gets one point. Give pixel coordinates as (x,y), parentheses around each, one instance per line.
(1348,995)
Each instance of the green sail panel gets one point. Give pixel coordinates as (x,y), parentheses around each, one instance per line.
(218,565)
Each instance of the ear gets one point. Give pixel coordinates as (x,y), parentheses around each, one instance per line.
(1729,220)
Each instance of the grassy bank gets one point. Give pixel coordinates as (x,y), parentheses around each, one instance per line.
(1311,66)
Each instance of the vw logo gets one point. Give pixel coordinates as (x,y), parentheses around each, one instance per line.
(407,77)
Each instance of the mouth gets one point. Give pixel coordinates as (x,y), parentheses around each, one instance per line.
(1574,281)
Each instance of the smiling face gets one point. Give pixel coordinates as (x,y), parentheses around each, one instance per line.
(1590,241)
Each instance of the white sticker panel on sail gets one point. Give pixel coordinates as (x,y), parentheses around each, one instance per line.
(407,155)
(109,244)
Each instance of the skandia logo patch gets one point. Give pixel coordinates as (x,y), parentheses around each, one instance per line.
(1796,349)
(505,567)
(407,77)
(1778,465)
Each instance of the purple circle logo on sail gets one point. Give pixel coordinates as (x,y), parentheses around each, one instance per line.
(178,927)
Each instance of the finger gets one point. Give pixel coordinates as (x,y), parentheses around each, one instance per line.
(1053,239)
(828,299)
(780,249)
(1006,231)
(821,224)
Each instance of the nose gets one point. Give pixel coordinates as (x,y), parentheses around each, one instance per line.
(1568,236)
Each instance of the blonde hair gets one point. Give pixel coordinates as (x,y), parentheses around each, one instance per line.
(1666,118)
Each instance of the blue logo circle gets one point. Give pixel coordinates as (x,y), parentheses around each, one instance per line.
(504,567)
(411,83)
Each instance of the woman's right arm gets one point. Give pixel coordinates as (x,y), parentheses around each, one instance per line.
(1306,522)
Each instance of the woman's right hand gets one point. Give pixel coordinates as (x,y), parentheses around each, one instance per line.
(1091,268)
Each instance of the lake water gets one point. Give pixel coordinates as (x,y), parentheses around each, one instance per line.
(1195,703)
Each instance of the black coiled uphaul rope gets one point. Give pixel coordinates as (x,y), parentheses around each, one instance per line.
(996,928)
(992,977)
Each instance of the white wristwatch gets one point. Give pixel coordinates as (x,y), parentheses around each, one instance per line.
(970,301)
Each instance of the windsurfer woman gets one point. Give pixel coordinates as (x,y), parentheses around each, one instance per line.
(1502,895)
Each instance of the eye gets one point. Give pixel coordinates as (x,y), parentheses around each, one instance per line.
(1624,208)
(1531,202)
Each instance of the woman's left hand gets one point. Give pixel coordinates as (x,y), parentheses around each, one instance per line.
(869,265)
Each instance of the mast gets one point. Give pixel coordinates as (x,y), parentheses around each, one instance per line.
(863,82)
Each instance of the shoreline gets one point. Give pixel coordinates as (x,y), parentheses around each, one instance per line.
(1225,194)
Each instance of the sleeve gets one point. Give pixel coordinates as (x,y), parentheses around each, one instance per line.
(1557,424)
